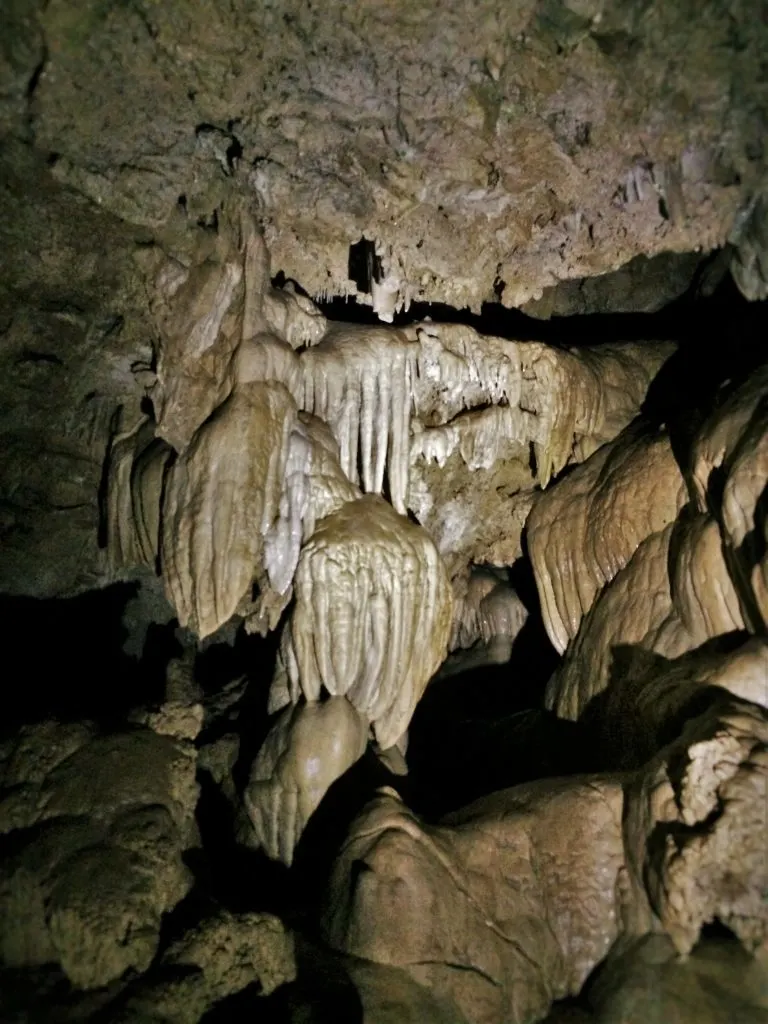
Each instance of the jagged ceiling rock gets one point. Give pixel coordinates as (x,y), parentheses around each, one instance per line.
(644,285)
(524,144)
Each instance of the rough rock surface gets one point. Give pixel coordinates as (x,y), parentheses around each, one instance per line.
(219,957)
(553,140)
(649,983)
(93,830)
(510,903)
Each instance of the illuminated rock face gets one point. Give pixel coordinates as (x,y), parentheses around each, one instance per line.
(285,452)
(177,410)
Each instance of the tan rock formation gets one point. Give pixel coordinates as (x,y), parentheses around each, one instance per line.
(307,749)
(503,907)
(509,904)
(221,498)
(527,144)
(585,530)
(667,588)
(99,825)
(372,617)
(224,954)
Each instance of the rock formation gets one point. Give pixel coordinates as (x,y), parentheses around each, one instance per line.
(389,623)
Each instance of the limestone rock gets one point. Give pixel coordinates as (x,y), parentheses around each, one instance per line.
(504,150)
(218,957)
(221,498)
(93,838)
(502,907)
(308,748)
(583,531)
(372,617)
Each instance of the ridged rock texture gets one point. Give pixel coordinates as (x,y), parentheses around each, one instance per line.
(672,577)
(373,615)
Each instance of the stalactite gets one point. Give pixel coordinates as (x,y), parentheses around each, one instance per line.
(360,381)
(372,616)
(221,499)
(126,545)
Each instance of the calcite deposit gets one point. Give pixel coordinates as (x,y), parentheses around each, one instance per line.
(383,520)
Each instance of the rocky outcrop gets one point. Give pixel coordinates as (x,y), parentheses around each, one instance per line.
(220,956)
(510,903)
(93,831)
(503,907)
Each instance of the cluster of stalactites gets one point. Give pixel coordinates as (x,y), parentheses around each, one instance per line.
(360,380)
(489,399)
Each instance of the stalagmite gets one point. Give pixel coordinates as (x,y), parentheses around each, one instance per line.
(372,616)
(307,749)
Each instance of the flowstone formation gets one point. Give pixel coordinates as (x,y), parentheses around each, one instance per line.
(649,566)
(257,489)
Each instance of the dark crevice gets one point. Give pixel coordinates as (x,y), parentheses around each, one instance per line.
(234,153)
(693,318)
(34,79)
(364,266)
(30,356)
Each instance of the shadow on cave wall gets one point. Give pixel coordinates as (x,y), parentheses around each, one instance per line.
(64,658)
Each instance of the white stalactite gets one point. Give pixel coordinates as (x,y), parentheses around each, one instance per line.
(360,381)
